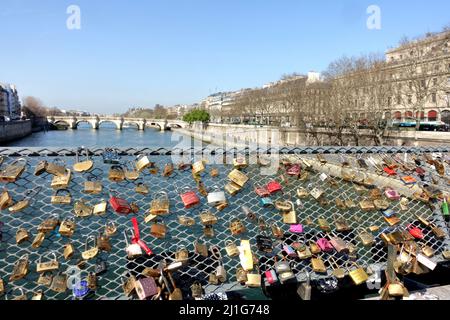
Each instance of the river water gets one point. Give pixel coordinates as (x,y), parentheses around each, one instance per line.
(106,136)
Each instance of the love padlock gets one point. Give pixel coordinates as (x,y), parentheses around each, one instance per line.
(189,198)
(325,245)
(274,187)
(415,232)
(262,192)
(119,205)
(294,170)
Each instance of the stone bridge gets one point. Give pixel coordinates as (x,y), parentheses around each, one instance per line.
(119,122)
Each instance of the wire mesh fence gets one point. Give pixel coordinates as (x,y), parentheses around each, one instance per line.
(178,236)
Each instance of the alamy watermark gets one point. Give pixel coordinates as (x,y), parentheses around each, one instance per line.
(73,22)
(374,19)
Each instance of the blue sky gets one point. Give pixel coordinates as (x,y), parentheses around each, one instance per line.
(139,53)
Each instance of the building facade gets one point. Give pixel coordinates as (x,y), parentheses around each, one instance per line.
(421,71)
(10,105)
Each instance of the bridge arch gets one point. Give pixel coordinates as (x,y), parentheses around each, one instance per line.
(117,123)
(62,122)
(134,124)
(77,124)
(154,125)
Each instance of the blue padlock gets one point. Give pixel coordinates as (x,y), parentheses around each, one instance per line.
(80,290)
(267,202)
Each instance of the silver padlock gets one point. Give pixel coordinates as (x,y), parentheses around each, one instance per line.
(216,197)
(304,290)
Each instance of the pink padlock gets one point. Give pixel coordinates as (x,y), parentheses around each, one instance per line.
(294,170)
(325,245)
(289,251)
(391,194)
(296,228)
(271,276)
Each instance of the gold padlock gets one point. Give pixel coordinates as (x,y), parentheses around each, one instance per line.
(82,210)
(358,275)
(142,163)
(323,224)
(253,280)
(116,173)
(182,255)
(20,269)
(93,186)
(83,166)
(59,283)
(290,217)
(13,171)
(201,248)
(130,171)
(141,188)
(61,182)
(5,200)
(128,283)
(61,197)
(56,167)
(232,188)
(69,250)
(238,177)
(207,218)
(22,236)
(231,248)
(168,170)
(30,195)
(318,265)
(90,252)
(67,227)
(160,204)
(240,163)
(367,205)
(41,167)
(38,240)
(158,230)
(50,265)
(237,227)
(49,224)
(198,167)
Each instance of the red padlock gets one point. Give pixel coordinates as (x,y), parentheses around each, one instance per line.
(274,187)
(262,192)
(420,171)
(294,170)
(389,171)
(189,198)
(119,205)
(415,232)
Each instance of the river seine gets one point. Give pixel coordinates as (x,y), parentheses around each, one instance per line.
(106,136)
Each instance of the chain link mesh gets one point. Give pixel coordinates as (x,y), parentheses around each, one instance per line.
(199,267)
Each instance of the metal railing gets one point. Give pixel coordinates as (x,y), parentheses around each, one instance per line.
(199,267)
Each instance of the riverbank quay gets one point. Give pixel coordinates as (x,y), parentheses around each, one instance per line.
(15,130)
(250,135)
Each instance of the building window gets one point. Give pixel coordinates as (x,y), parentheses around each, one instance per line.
(435,81)
(423,83)
(410,85)
(399,99)
(433,98)
(420,115)
(398,115)
(389,101)
(410,99)
(432,115)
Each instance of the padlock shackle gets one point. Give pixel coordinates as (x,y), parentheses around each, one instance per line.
(88,240)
